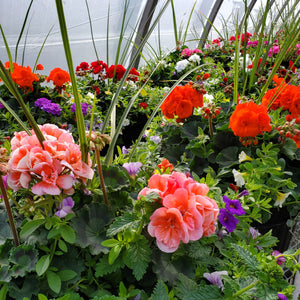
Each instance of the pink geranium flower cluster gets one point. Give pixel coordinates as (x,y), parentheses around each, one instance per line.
(49,169)
(187,213)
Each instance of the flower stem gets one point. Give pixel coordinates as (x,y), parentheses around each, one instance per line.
(97,154)
(9,213)
(245,289)
(211,131)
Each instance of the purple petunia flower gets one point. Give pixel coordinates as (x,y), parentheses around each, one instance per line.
(253,232)
(84,107)
(215,278)
(233,206)
(227,220)
(65,208)
(282,297)
(132,168)
(1,105)
(243,193)
(155,138)
(125,150)
(48,106)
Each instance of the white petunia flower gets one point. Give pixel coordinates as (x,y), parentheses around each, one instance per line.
(195,58)
(244,157)
(280,199)
(238,177)
(181,65)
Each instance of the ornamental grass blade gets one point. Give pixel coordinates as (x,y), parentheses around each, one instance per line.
(79,114)
(121,84)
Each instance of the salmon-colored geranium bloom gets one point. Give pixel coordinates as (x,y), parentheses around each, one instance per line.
(168,227)
(187,206)
(187,213)
(59,77)
(50,169)
(24,77)
(249,120)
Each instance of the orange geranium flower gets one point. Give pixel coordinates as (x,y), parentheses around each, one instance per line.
(24,77)
(59,77)
(249,120)
(181,102)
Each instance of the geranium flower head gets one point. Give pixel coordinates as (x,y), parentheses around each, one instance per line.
(24,77)
(59,77)
(40,67)
(115,72)
(233,206)
(249,120)
(227,220)
(165,166)
(168,227)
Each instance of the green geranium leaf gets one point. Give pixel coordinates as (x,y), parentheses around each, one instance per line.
(190,130)
(24,258)
(90,227)
(42,297)
(54,281)
(227,156)
(29,288)
(290,148)
(30,227)
(5,231)
(115,177)
(5,274)
(160,291)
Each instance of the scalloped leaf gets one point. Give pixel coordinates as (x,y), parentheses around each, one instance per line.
(24,258)
(5,231)
(115,177)
(90,227)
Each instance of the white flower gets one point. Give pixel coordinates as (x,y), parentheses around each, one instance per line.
(181,65)
(195,58)
(244,157)
(280,199)
(208,97)
(238,177)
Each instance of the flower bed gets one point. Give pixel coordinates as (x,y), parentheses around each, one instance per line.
(181,208)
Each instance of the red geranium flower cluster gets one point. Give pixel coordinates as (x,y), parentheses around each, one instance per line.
(23,76)
(248,120)
(59,77)
(186,214)
(285,96)
(115,71)
(181,102)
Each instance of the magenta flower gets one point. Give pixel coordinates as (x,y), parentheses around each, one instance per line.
(65,207)
(282,297)
(132,168)
(233,206)
(227,220)
(186,52)
(279,259)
